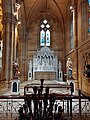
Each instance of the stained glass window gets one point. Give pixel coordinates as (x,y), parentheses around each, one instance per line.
(89,16)
(42,38)
(45,33)
(47,38)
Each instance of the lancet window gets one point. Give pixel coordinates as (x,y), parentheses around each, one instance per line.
(45,33)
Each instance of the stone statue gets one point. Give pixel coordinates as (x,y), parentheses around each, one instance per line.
(30,65)
(15,69)
(69,68)
(69,63)
(60,65)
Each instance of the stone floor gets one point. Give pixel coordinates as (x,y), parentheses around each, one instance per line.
(52,90)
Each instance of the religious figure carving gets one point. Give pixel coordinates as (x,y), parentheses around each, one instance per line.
(69,68)
(60,65)
(45,60)
(15,69)
(30,65)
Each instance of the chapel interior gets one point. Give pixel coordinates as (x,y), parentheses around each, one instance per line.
(45,39)
(20,36)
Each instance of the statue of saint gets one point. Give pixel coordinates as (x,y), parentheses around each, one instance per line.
(15,69)
(69,68)
(30,65)
(60,65)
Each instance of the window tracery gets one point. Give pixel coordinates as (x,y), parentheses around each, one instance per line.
(45,33)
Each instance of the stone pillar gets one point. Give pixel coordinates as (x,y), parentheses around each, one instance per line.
(76,42)
(75,35)
(14,43)
(8,39)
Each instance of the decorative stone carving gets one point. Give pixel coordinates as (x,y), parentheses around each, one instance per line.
(45,61)
(87,72)
(30,65)
(60,65)
(86,63)
(15,83)
(15,70)
(69,68)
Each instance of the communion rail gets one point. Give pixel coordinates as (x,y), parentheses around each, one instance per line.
(73,107)
(41,104)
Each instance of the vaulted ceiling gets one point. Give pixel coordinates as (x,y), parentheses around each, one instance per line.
(34,9)
(56,9)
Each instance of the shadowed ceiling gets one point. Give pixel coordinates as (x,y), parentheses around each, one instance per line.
(32,10)
(56,9)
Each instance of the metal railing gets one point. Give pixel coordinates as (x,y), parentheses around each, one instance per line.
(74,107)
(43,105)
(9,106)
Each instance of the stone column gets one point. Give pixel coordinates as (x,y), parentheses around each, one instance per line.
(8,39)
(75,40)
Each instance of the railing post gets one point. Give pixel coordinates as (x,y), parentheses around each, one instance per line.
(71,108)
(72,88)
(71,101)
(79,92)
(68,107)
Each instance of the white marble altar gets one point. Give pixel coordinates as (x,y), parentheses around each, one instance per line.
(45,61)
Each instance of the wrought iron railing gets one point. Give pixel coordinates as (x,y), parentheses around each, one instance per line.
(9,106)
(74,107)
(43,105)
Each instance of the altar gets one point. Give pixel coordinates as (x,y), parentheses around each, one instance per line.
(45,65)
(45,75)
